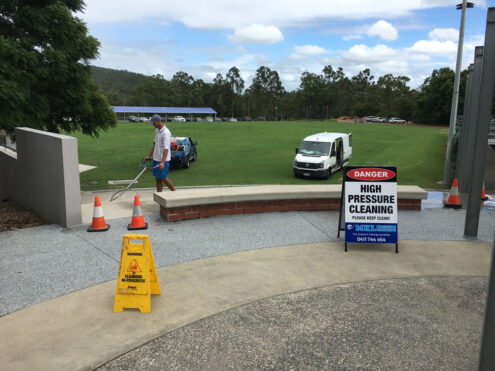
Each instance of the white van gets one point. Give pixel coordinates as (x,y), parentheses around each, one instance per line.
(322,154)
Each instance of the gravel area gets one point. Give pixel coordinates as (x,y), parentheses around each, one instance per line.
(45,262)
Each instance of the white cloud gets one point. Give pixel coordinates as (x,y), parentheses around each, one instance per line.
(307,51)
(352,37)
(136,60)
(435,47)
(257,33)
(435,3)
(422,58)
(384,30)
(245,61)
(444,34)
(415,59)
(228,14)
(363,53)
(380,59)
(415,62)
(469,46)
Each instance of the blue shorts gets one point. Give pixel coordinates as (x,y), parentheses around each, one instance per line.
(159,173)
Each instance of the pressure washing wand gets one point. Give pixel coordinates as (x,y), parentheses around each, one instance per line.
(120,192)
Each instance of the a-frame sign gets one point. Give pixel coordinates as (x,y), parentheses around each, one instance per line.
(368,205)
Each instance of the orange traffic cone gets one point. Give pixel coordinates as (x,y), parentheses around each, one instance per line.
(483,194)
(137,217)
(453,201)
(99,224)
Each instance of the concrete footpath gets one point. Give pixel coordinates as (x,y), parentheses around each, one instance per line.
(58,287)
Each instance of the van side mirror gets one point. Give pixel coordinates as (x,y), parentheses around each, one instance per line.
(297,151)
(333,153)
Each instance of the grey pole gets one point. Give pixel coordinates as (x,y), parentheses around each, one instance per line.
(483,125)
(461,149)
(447,174)
(472,119)
(487,355)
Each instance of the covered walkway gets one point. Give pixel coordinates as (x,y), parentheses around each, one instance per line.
(163,111)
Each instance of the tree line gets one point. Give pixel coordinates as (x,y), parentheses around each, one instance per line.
(330,94)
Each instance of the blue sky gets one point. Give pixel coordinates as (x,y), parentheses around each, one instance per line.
(206,37)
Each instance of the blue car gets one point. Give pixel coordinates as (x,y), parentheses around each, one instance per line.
(183,152)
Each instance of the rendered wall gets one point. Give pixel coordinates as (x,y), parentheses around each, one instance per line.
(45,176)
(8,161)
(490,170)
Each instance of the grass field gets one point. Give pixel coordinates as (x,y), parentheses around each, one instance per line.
(260,152)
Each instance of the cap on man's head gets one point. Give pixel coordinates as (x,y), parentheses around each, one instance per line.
(155,118)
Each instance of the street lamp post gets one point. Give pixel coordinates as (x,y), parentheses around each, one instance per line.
(447,174)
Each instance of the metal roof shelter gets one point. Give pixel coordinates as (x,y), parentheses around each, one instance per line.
(165,110)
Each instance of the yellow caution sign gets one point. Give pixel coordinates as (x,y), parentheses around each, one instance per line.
(137,275)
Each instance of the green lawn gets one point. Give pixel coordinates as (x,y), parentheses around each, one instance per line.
(260,152)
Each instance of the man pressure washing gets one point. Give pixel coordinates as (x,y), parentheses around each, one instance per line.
(161,154)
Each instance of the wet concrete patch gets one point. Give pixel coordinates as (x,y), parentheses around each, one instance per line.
(434,200)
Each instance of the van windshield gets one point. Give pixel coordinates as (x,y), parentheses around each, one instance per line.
(315,148)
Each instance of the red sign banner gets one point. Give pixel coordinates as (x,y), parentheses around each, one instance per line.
(371,174)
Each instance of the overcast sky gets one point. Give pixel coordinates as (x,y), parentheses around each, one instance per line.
(206,37)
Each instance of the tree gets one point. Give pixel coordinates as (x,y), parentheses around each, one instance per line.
(337,92)
(45,78)
(115,98)
(265,89)
(435,97)
(198,92)
(363,79)
(154,91)
(291,106)
(220,95)
(312,90)
(236,84)
(395,97)
(182,83)
(365,99)
(332,76)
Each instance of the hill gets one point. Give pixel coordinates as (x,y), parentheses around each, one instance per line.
(116,83)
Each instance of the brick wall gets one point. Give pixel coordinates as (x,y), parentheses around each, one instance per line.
(194,212)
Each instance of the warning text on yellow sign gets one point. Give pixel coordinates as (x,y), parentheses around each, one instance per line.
(137,275)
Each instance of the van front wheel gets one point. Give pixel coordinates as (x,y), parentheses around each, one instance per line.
(328,174)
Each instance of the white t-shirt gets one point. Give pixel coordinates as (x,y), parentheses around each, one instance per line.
(162,142)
